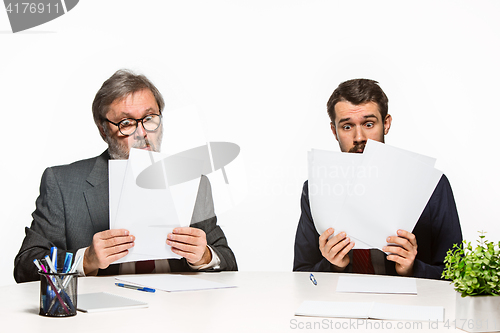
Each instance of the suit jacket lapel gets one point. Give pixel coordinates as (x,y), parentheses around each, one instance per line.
(97,196)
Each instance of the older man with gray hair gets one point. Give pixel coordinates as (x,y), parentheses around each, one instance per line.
(72,210)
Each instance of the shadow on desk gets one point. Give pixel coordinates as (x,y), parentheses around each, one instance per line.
(32,310)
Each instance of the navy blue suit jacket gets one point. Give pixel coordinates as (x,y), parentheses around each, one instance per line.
(437,229)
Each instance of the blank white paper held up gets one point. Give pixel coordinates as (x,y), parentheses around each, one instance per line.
(371,195)
(149,214)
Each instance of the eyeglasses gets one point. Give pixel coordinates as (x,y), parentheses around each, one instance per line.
(128,126)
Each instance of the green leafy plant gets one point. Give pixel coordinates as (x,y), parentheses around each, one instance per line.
(474,272)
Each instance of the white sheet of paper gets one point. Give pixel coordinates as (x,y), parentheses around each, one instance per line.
(117,169)
(148,214)
(407,312)
(393,198)
(371,195)
(331,176)
(358,310)
(172,282)
(184,197)
(376,285)
(370,310)
(374,145)
(101,301)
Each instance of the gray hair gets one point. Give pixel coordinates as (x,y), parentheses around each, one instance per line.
(121,84)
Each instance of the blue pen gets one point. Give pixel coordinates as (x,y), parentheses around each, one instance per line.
(73,269)
(57,282)
(313,280)
(123,285)
(67,262)
(52,290)
(53,256)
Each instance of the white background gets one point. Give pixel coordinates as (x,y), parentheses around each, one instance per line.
(259,74)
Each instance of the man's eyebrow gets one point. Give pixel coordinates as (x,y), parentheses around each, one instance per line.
(365,117)
(147,111)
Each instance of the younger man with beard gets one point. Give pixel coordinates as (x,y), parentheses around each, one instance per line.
(358,110)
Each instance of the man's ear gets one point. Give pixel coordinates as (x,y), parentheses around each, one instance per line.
(387,123)
(334,130)
(102,132)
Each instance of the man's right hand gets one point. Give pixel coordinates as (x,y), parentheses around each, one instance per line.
(335,249)
(107,247)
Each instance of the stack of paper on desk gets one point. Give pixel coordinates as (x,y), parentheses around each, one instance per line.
(97,302)
(376,284)
(371,195)
(370,310)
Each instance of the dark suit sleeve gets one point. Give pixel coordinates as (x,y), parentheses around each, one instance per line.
(217,240)
(204,218)
(437,229)
(307,256)
(215,236)
(47,230)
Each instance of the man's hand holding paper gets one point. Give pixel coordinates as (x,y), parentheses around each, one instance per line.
(335,248)
(403,251)
(190,243)
(107,247)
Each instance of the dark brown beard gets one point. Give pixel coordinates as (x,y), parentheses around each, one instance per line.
(357,147)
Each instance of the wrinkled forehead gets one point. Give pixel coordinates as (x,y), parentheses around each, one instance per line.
(346,111)
(137,101)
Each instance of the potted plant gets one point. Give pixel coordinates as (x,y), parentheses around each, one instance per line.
(475,274)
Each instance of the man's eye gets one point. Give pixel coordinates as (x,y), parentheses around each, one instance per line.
(346,127)
(369,125)
(125,123)
(148,118)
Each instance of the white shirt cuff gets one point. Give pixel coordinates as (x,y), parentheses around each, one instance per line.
(214,263)
(80,253)
(162,265)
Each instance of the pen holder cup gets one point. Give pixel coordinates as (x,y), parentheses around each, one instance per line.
(58,294)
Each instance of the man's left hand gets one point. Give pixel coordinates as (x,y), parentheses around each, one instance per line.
(403,253)
(190,243)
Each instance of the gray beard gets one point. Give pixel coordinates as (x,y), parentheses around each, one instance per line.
(119,151)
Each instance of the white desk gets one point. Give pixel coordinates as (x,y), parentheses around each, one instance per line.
(262,302)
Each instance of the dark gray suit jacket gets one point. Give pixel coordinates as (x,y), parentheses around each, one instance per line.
(73,205)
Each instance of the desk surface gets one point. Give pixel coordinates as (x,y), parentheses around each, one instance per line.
(262,302)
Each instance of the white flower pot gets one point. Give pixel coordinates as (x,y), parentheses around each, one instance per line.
(477,313)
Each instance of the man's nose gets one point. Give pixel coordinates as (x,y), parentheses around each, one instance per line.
(359,135)
(140,131)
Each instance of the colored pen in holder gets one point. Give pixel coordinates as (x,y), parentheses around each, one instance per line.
(58,294)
